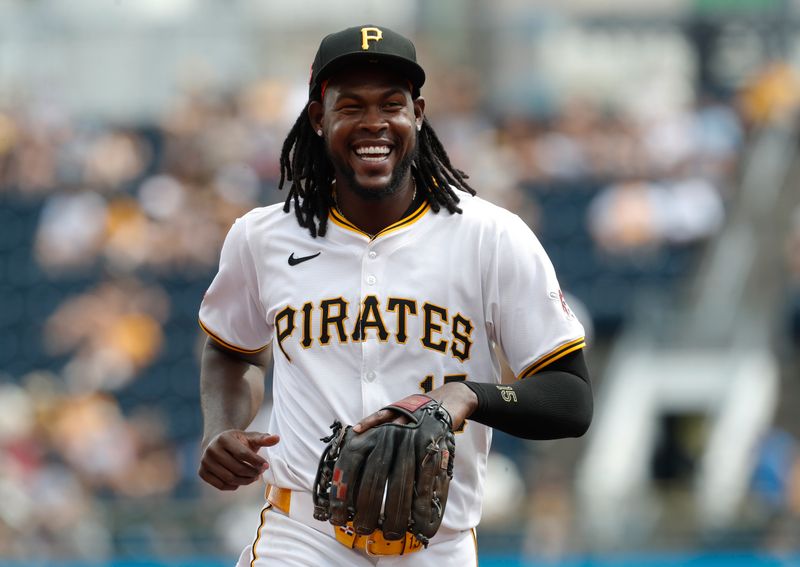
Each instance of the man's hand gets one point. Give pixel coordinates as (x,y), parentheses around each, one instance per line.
(459,401)
(231,459)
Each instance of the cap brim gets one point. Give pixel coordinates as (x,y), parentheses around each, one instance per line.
(408,69)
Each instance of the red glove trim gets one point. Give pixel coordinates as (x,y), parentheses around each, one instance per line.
(412,403)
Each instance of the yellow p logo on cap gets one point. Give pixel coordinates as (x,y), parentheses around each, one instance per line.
(370,34)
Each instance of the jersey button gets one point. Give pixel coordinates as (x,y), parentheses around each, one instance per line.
(370,376)
(373,255)
(371,280)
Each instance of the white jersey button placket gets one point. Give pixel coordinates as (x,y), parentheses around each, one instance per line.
(370,385)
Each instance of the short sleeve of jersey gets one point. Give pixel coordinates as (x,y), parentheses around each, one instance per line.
(231,311)
(532,321)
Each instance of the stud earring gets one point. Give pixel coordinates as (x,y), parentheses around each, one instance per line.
(319,132)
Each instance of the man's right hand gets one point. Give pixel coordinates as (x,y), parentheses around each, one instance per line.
(231,459)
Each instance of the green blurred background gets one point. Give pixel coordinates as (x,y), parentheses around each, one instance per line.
(652,146)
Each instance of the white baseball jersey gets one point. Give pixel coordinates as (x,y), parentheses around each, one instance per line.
(357,322)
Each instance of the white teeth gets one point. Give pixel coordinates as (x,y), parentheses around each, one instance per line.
(373,151)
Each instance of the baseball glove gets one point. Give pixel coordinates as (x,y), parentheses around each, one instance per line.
(412,463)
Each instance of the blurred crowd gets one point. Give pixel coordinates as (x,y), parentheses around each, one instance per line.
(134,205)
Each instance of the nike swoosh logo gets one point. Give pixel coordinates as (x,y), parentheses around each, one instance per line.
(294,261)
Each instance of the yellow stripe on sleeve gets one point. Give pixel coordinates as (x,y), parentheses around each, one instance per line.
(228,345)
(552,356)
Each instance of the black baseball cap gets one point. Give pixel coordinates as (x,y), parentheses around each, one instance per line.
(367,43)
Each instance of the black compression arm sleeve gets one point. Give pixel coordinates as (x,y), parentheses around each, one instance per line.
(553,403)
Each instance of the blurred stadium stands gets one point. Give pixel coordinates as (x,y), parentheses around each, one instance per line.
(617,135)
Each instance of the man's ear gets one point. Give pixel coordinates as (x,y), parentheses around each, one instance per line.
(315,112)
(419,111)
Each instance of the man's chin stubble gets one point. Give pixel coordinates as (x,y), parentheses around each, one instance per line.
(399,174)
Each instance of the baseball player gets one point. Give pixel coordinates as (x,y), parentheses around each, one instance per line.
(381,276)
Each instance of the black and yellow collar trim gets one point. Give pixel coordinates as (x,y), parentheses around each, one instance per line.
(338,218)
(552,356)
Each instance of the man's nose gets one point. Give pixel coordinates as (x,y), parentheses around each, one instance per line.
(373,119)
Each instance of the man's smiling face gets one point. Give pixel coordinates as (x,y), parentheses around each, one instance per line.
(369,122)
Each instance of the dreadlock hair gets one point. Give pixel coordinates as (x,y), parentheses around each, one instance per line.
(304,162)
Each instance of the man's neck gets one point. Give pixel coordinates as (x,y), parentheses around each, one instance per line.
(372,216)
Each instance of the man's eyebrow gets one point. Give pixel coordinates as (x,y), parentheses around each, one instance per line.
(347,94)
(393,91)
